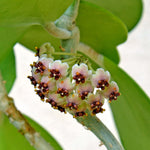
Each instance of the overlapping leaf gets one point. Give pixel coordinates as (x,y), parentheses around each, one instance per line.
(36,36)
(101,30)
(129,11)
(131,110)
(16,16)
(8,70)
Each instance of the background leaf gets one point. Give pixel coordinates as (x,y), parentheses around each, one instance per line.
(8,70)
(16,16)
(36,36)
(101,30)
(11,139)
(129,11)
(131,110)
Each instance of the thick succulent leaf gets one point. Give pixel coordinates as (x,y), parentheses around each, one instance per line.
(11,139)
(36,36)
(129,11)
(131,110)
(101,30)
(8,70)
(8,38)
(17,15)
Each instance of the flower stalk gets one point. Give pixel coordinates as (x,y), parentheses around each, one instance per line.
(100,130)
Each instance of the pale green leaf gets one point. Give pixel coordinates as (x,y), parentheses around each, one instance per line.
(129,11)
(101,30)
(8,70)
(16,16)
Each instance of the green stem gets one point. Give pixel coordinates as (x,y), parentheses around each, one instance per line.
(65,28)
(69,59)
(90,67)
(67,21)
(63,53)
(101,131)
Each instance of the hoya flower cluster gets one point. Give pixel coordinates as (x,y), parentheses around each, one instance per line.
(72,87)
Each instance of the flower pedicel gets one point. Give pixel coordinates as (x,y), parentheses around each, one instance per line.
(72,87)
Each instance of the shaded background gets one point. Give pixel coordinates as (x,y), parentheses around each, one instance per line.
(135,60)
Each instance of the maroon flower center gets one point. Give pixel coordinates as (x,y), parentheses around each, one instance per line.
(72,106)
(83,94)
(79,78)
(96,104)
(102,84)
(63,92)
(79,114)
(54,105)
(33,81)
(113,96)
(55,73)
(39,92)
(97,110)
(44,87)
(39,67)
(61,109)
(52,102)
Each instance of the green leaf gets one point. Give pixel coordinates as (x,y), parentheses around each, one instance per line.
(129,11)
(11,139)
(101,30)
(8,38)
(8,70)
(36,36)
(16,16)
(132,109)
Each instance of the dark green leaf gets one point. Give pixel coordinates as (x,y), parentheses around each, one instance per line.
(11,139)
(101,30)
(8,70)
(129,11)
(131,110)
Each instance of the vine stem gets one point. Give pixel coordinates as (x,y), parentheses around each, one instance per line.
(63,53)
(100,130)
(65,28)
(16,118)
